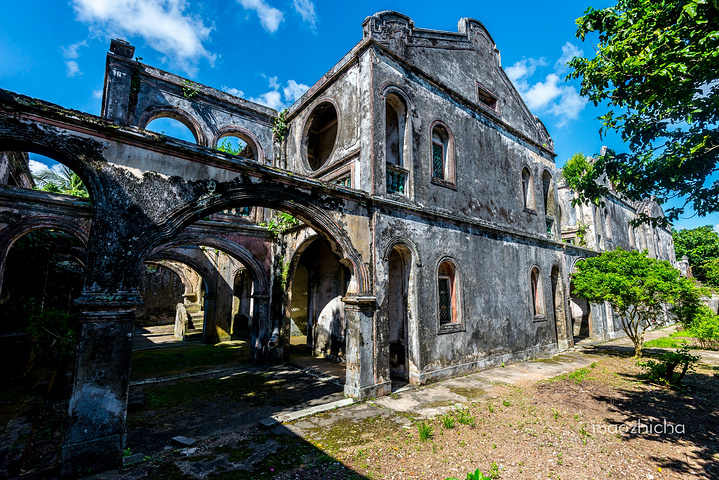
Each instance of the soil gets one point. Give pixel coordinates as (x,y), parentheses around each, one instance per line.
(603,421)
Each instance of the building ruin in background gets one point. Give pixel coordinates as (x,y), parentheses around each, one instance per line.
(435,237)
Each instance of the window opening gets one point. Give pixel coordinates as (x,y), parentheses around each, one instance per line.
(447,294)
(527,188)
(487,99)
(537,297)
(321,135)
(438,160)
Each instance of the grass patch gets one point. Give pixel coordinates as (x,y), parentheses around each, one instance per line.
(425,431)
(675,340)
(163,362)
(578,375)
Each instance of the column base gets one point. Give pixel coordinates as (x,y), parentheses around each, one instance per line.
(371,391)
(94,455)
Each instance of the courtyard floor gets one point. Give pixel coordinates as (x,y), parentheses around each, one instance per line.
(587,413)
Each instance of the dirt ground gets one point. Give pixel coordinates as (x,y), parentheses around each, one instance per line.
(602,421)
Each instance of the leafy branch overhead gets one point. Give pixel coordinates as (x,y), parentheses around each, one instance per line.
(657,69)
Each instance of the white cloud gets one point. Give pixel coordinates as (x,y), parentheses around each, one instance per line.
(551,96)
(163,24)
(569,51)
(270,17)
(306,9)
(272,99)
(539,95)
(71,51)
(279,97)
(294,90)
(73,69)
(569,106)
(97,94)
(524,68)
(716,228)
(233,91)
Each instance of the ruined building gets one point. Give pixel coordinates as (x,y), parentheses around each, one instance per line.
(434,235)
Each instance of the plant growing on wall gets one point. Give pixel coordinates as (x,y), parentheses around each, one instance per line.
(280,126)
(279,223)
(581,235)
(190,89)
(637,287)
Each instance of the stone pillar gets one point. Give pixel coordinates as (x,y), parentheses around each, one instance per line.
(261,328)
(223,298)
(563,324)
(96,436)
(208,330)
(361,376)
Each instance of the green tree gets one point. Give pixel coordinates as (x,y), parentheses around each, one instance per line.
(637,287)
(242,150)
(61,180)
(656,68)
(701,246)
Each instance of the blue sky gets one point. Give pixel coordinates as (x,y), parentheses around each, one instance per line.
(270,51)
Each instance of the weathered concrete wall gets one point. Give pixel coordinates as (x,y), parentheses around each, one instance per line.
(495,320)
(161,291)
(14,170)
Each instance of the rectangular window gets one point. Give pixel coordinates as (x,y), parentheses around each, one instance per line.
(445,301)
(487,99)
(438,160)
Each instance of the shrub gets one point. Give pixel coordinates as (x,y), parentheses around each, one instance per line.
(665,369)
(706,329)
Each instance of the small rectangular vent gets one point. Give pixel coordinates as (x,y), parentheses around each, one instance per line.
(487,99)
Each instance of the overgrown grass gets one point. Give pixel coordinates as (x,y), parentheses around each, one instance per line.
(162,362)
(675,340)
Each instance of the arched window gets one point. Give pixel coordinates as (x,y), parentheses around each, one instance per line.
(238,143)
(537,293)
(527,190)
(607,224)
(320,135)
(442,155)
(396,141)
(448,294)
(173,126)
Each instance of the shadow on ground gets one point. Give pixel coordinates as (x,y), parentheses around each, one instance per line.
(687,416)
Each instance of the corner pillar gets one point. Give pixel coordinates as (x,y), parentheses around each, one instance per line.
(361,376)
(261,328)
(98,405)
